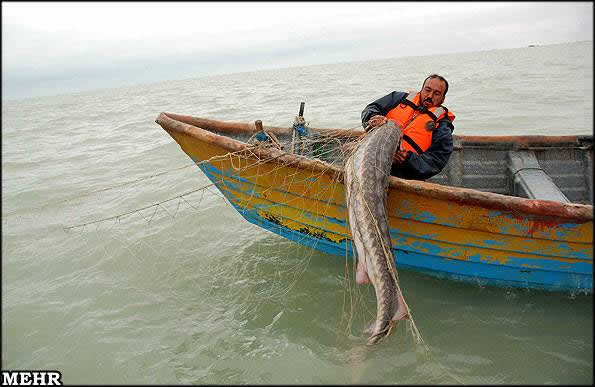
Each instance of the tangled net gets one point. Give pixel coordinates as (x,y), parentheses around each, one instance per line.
(330,150)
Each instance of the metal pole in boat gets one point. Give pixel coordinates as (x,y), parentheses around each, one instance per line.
(258,124)
(271,137)
(299,130)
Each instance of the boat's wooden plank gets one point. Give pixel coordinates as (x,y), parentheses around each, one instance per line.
(302,182)
(464,232)
(411,234)
(568,211)
(309,208)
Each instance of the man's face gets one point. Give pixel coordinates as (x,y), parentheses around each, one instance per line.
(432,93)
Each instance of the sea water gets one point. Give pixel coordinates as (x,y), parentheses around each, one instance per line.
(190,292)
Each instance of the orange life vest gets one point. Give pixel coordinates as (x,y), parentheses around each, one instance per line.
(417,125)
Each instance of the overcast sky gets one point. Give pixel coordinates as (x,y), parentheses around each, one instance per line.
(53,48)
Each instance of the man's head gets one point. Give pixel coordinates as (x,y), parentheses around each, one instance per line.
(433,91)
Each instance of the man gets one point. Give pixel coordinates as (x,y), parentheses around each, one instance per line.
(426,124)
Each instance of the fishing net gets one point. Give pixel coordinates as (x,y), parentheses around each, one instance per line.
(259,182)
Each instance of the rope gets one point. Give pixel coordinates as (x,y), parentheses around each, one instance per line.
(97,191)
(143,208)
(53,203)
(311,139)
(229,155)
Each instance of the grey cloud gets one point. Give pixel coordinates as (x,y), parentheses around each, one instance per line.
(33,61)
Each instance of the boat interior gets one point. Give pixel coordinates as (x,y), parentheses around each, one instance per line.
(557,168)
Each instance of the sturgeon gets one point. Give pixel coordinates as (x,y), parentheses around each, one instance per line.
(366,182)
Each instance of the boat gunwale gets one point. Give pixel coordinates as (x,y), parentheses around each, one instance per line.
(525,141)
(546,210)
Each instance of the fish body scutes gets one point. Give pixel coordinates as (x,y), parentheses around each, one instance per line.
(366,181)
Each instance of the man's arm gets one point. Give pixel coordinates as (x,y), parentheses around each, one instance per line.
(381,106)
(433,160)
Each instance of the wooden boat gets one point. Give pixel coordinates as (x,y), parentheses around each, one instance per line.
(512,211)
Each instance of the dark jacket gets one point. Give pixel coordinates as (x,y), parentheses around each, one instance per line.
(427,164)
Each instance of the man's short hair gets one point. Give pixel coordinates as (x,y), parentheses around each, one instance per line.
(439,77)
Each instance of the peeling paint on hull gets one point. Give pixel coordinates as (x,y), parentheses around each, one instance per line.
(464,240)
(519,262)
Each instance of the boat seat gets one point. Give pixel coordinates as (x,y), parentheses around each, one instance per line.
(527,179)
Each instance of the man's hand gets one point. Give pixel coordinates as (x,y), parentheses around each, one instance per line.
(399,157)
(375,122)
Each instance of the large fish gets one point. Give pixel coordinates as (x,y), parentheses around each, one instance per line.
(366,182)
